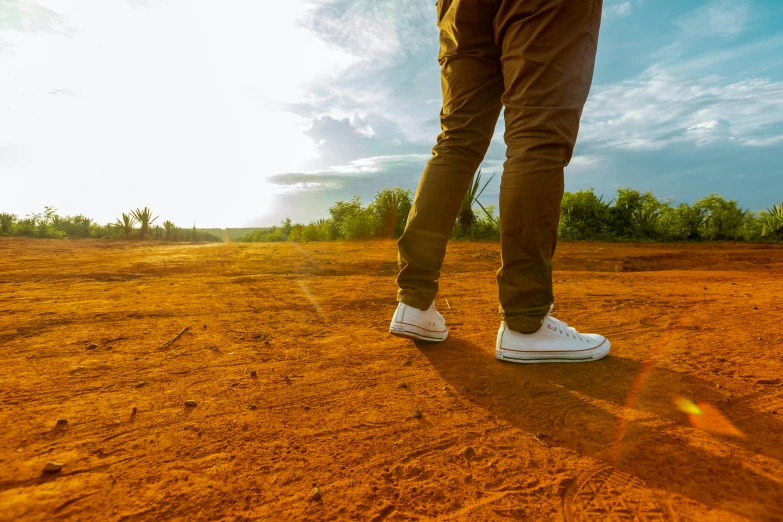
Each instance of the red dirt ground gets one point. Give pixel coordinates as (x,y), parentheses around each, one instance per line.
(83,326)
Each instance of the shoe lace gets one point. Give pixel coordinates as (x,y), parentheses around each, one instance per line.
(438,314)
(569,331)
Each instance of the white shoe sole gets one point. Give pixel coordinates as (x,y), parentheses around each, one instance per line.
(527,357)
(417,333)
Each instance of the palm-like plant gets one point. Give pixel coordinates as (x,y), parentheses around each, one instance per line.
(466,216)
(145,219)
(126,224)
(6,221)
(170,227)
(772,221)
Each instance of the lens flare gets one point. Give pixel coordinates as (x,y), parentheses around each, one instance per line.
(704,416)
(687,406)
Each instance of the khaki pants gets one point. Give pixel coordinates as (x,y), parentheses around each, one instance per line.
(535,58)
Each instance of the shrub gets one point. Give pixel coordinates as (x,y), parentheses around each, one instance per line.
(485,226)
(634,215)
(315,231)
(344,209)
(467,216)
(38,225)
(583,216)
(392,205)
(361,225)
(771,221)
(683,222)
(265,235)
(353,221)
(722,219)
(753,228)
(74,226)
(6,222)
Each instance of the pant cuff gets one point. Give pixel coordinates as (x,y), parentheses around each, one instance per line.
(416,301)
(523,324)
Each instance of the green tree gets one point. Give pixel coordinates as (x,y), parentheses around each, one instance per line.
(342,209)
(723,218)
(688,222)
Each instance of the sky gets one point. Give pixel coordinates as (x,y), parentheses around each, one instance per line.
(236,113)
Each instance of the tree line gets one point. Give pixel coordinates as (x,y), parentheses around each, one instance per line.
(630,216)
(138,223)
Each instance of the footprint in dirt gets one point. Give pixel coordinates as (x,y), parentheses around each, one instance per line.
(607,494)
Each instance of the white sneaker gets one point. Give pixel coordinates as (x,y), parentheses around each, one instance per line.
(555,341)
(412,323)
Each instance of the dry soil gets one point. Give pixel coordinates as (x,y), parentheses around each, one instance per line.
(305,406)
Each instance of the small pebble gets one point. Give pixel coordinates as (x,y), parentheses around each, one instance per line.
(403,385)
(307,408)
(52,467)
(190,403)
(252,406)
(541,435)
(253,373)
(315,494)
(133,412)
(92,346)
(417,413)
(140,384)
(62,422)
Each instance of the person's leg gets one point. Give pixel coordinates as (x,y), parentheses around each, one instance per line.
(548,51)
(472,84)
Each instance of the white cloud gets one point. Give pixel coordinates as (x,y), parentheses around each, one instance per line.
(584,160)
(380,35)
(378,32)
(617,10)
(764,142)
(376,163)
(717,18)
(656,110)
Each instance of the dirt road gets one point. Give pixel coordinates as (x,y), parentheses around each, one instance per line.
(298,386)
